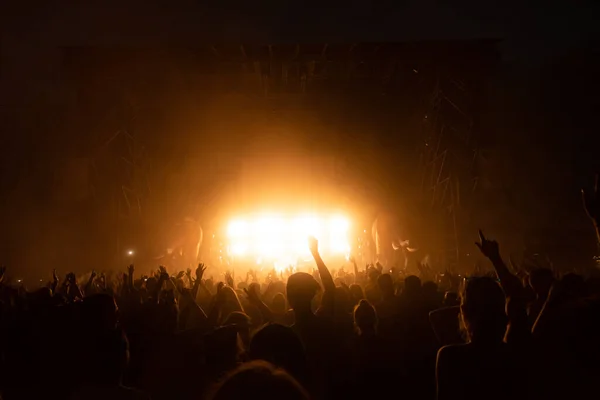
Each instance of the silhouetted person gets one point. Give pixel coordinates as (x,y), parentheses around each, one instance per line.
(280,346)
(104,364)
(259,380)
(485,367)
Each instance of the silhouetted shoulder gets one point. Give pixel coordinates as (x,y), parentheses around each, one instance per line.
(453,350)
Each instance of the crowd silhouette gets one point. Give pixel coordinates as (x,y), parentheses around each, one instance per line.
(364,333)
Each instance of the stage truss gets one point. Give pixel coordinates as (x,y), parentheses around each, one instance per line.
(449,160)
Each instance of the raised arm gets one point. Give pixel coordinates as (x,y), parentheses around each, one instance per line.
(510,283)
(328,300)
(54,280)
(519,329)
(88,289)
(130,271)
(163,277)
(198,283)
(253,293)
(217,303)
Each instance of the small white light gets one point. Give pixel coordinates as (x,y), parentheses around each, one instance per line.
(130,252)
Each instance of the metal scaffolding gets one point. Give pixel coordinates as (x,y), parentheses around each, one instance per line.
(448,162)
(121,165)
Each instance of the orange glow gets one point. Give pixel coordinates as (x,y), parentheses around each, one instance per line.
(283,238)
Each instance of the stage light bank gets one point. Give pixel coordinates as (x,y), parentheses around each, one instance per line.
(283,238)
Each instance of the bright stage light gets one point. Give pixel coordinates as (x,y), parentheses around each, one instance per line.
(239,249)
(282,239)
(237,228)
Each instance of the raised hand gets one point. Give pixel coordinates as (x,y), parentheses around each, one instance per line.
(220,297)
(313,245)
(180,275)
(270,287)
(229,279)
(252,274)
(54,276)
(163,273)
(200,271)
(252,293)
(591,202)
(489,248)
(130,269)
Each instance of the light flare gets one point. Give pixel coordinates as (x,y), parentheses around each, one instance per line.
(282,240)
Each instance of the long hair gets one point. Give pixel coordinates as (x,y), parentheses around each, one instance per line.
(232,304)
(365,317)
(483,305)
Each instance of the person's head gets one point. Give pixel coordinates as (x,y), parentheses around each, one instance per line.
(210,284)
(223,348)
(278,304)
(451,299)
(373,274)
(365,317)
(259,380)
(230,294)
(280,346)
(482,309)
(356,293)
(386,284)
(541,281)
(242,321)
(301,289)
(151,284)
(430,288)
(232,302)
(412,285)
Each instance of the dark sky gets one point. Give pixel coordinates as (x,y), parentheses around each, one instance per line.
(532,32)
